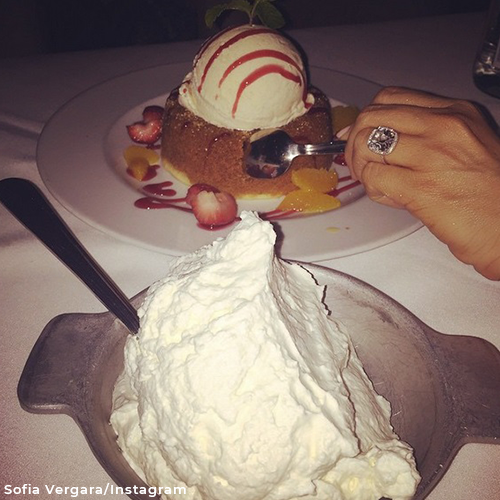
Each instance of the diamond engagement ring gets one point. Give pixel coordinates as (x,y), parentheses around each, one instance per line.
(382,140)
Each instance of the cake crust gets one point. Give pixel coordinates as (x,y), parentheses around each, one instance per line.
(195,151)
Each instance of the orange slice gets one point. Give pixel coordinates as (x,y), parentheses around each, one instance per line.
(313,179)
(138,168)
(135,152)
(308,202)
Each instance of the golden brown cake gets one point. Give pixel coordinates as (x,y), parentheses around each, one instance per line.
(196,151)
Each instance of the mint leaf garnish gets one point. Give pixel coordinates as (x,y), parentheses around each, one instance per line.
(269,15)
(214,12)
(264,10)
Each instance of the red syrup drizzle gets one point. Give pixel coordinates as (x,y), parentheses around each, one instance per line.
(225,45)
(278,214)
(163,189)
(259,73)
(269,53)
(148,203)
(151,173)
(335,192)
(160,189)
(209,42)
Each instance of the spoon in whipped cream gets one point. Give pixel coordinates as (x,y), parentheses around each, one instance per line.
(27,203)
(271,155)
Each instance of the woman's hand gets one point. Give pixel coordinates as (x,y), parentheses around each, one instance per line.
(445,170)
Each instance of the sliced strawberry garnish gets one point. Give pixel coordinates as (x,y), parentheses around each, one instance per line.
(195,189)
(145,132)
(151,113)
(214,208)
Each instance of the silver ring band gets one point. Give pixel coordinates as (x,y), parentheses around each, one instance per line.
(382,140)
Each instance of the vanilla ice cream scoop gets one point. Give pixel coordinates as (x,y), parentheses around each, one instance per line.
(239,385)
(245,78)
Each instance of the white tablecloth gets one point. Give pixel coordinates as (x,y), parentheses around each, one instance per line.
(418,271)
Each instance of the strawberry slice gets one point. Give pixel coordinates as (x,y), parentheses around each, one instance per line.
(195,189)
(145,132)
(151,113)
(213,209)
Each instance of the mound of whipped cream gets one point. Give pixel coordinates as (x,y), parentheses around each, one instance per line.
(239,385)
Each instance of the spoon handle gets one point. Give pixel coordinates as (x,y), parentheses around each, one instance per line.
(322,149)
(27,203)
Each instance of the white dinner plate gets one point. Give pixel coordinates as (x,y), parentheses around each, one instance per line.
(80,160)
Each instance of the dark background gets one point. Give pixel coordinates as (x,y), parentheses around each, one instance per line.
(46,26)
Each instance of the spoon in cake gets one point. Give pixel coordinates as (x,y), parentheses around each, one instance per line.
(26,202)
(271,155)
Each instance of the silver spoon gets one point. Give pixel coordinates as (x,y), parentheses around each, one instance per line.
(27,203)
(270,156)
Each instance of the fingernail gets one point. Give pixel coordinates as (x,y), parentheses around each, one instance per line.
(344,131)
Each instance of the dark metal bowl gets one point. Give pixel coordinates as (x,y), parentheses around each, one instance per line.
(444,389)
